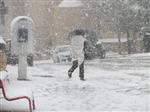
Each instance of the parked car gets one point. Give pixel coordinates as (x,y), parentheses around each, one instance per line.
(145,34)
(61,54)
(13,59)
(101,50)
(93,48)
(94,51)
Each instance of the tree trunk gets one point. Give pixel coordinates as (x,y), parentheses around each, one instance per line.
(119,41)
(2,17)
(135,42)
(128,42)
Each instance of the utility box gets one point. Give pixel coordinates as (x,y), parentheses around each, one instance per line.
(22,42)
(22,29)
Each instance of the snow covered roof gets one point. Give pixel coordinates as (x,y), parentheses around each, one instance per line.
(147,33)
(71,3)
(99,42)
(145,29)
(2,41)
(111,40)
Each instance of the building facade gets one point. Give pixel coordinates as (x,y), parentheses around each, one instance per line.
(52,22)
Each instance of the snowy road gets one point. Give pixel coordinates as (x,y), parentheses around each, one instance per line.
(120,87)
(111,85)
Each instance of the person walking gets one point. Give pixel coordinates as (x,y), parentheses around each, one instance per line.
(77,45)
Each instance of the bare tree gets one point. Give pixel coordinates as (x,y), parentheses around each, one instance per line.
(125,16)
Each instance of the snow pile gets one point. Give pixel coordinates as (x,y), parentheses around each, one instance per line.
(2,41)
(71,3)
(3,74)
(14,106)
(112,40)
(141,55)
(103,90)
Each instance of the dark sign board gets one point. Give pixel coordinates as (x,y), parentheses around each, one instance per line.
(23,35)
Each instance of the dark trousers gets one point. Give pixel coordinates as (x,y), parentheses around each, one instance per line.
(81,68)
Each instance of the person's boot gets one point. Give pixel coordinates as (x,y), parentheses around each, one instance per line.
(69,74)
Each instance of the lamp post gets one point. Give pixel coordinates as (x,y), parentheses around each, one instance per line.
(2,18)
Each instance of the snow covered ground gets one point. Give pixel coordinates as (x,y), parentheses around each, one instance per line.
(117,83)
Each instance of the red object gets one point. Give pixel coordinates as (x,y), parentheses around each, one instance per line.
(2,86)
